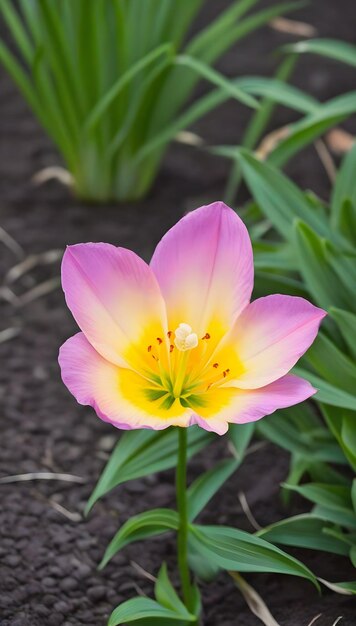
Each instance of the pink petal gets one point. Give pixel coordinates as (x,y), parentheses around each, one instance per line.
(270,335)
(96,382)
(251,405)
(204,266)
(113,296)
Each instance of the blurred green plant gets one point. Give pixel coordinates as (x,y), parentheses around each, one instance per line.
(304,247)
(300,134)
(110,81)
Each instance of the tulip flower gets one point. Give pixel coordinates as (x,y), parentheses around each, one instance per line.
(178,342)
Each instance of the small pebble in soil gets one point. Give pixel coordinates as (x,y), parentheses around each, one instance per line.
(68,584)
(56,619)
(95,594)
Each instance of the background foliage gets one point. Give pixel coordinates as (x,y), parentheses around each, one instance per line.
(111,81)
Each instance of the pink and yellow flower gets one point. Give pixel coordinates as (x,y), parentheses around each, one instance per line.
(178,342)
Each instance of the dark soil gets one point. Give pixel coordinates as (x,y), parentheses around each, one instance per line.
(49,555)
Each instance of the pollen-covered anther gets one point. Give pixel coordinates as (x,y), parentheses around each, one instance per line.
(153,355)
(185,339)
(206,336)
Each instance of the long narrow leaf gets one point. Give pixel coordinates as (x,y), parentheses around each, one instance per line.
(148,524)
(238,551)
(331,48)
(138,609)
(303,133)
(143,452)
(304,531)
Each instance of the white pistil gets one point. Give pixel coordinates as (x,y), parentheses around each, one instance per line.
(185,339)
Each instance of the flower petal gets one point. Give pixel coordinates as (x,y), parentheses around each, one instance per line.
(270,335)
(204,266)
(239,406)
(118,395)
(113,296)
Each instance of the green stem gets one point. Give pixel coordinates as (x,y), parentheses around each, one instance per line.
(181,491)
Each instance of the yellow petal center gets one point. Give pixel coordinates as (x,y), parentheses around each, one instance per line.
(180,371)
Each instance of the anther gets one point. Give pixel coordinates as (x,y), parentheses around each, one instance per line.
(206,336)
(216,365)
(185,339)
(169,334)
(159,340)
(225,373)
(171,348)
(149,348)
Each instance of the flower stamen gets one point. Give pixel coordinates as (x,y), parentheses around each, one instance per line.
(185,339)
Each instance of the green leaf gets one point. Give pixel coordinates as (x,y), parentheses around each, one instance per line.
(110,96)
(256,20)
(16,27)
(217,37)
(308,443)
(217,79)
(352,556)
(341,424)
(336,497)
(347,588)
(208,484)
(274,256)
(279,199)
(328,393)
(303,531)
(323,473)
(202,566)
(14,68)
(332,364)
(240,436)
(342,517)
(331,48)
(304,132)
(196,600)
(318,273)
(236,550)
(280,430)
(267,283)
(278,91)
(344,188)
(143,452)
(141,526)
(257,126)
(348,436)
(166,595)
(346,221)
(140,609)
(353,493)
(344,264)
(209,40)
(346,322)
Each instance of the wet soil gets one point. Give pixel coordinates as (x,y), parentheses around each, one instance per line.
(48,551)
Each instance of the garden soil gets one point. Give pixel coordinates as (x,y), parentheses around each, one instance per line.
(48,552)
